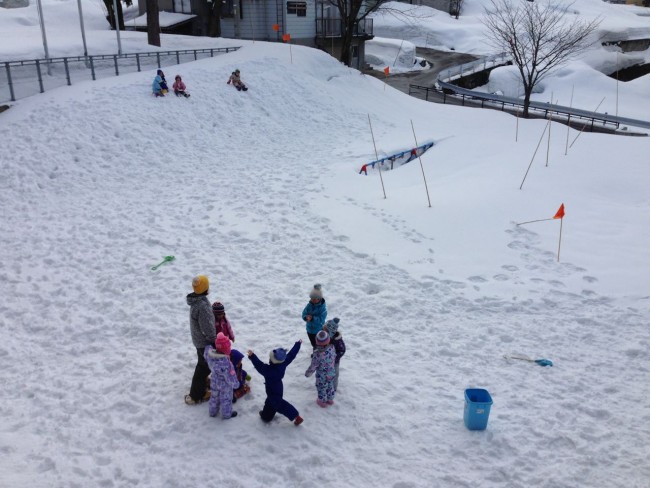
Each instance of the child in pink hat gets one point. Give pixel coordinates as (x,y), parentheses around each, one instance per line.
(223,379)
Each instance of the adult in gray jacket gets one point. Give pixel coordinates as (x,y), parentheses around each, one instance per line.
(203,334)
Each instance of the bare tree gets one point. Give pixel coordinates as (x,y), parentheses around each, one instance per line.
(110,16)
(352,12)
(455,7)
(539,36)
(153,23)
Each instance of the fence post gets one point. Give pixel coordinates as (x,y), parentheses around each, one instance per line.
(137,60)
(195,58)
(92,68)
(117,72)
(67,71)
(178,61)
(40,77)
(158,59)
(11,85)
(212,53)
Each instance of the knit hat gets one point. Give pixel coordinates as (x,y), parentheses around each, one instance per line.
(317,292)
(277,356)
(217,307)
(222,344)
(332,326)
(177,77)
(235,357)
(322,338)
(200,284)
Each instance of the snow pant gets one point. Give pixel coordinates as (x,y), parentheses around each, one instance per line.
(199,380)
(181,93)
(274,405)
(312,339)
(220,400)
(325,387)
(336,377)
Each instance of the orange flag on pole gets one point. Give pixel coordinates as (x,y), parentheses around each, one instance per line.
(286,37)
(560,212)
(386,70)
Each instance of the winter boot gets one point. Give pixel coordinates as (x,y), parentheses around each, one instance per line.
(298,420)
(321,403)
(233,414)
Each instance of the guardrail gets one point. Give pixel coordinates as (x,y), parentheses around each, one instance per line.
(24,78)
(444,88)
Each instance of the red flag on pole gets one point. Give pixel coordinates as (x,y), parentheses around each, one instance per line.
(387,70)
(276,27)
(560,212)
(286,37)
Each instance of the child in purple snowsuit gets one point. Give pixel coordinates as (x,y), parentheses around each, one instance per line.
(223,379)
(273,373)
(322,362)
(332,328)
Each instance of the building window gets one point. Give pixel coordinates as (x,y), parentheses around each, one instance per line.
(298,8)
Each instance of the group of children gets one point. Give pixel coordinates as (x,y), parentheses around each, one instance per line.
(227,379)
(160,88)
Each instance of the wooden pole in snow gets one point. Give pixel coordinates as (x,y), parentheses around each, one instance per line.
(534,154)
(376,157)
(421,166)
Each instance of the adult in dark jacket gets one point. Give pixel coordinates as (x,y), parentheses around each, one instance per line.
(273,373)
(203,335)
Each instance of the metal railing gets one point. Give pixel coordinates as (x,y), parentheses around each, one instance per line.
(445,88)
(23,78)
(333,27)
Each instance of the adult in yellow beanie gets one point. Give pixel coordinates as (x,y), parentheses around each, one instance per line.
(203,334)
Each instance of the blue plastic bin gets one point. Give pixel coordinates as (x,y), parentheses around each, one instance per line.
(477,408)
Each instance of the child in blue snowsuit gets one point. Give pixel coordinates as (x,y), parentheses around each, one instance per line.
(322,362)
(159,84)
(332,328)
(315,313)
(273,373)
(223,379)
(242,376)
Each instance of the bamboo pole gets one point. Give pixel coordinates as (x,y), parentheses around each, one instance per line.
(568,122)
(534,154)
(421,166)
(548,144)
(377,157)
(531,221)
(560,241)
(583,127)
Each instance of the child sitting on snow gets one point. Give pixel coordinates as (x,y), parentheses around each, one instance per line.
(236,81)
(158,84)
(273,373)
(221,323)
(315,313)
(179,87)
(332,328)
(163,82)
(242,388)
(322,362)
(223,379)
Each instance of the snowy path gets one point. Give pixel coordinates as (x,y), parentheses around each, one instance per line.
(95,354)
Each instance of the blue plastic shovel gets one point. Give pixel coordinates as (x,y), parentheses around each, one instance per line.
(541,362)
